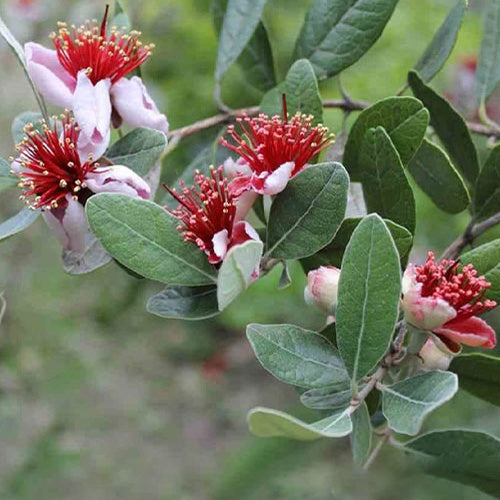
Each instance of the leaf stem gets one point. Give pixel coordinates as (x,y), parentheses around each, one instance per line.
(374,454)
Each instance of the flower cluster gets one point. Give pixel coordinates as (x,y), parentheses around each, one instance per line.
(446,300)
(207,213)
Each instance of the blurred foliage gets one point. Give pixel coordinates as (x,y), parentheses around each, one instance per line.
(102,400)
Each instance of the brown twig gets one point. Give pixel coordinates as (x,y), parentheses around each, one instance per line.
(472,231)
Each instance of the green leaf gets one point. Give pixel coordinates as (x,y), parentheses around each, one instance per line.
(487,197)
(265,422)
(479,374)
(405,404)
(21,120)
(449,126)
(369,293)
(295,356)
(467,457)
(17,223)
(336,33)
(385,186)
(306,215)
(486,259)
(438,51)
(241,18)
(93,257)
(256,59)
(328,398)
(285,278)
(183,302)
(143,237)
(138,150)
(332,254)
(7,180)
(438,178)
(488,64)
(361,437)
(237,271)
(302,93)
(403,118)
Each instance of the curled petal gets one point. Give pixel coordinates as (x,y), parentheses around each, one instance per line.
(474,332)
(240,185)
(69,225)
(118,179)
(134,105)
(434,355)
(234,169)
(277,181)
(49,77)
(243,231)
(92,110)
(220,242)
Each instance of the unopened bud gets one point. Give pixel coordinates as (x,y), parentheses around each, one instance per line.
(433,355)
(322,288)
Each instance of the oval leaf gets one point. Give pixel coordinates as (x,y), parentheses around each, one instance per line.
(468,457)
(265,422)
(361,437)
(143,237)
(403,118)
(442,43)
(449,126)
(336,33)
(138,150)
(296,356)
(240,21)
(17,223)
(479,374)
(183,302)
(239,270)
(302,93)
(369,293)
(306,215)
(386,188)
(407,403)
(439,180)
(328,398)
(487,197)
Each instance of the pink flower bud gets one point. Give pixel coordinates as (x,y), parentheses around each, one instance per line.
(322,288)
(434,355)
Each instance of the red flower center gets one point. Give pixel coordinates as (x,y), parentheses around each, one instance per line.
(51,166)
(266,143)
(463,289)
(205,209)
(101,54)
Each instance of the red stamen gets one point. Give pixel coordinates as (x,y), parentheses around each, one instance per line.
(205,209)
(51,166)
(463,290)
(266,143)
(89,47)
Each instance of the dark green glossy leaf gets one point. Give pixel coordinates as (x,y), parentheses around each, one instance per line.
(487,197)
(449,126)
(336,33)
(183,302)
(306,215)
(143,237)
(369,294)
(438,51)
(439,180)
(385,186)
(403,118)
(467,457)
(295,356)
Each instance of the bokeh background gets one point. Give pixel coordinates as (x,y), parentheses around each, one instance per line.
(101,400)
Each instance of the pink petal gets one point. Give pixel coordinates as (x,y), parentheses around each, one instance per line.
(220,243)
(240,184)
(277,181)
(49,77)
(243,231)
(68,224)
(118,179)
(244,203)
(92,110)
(135,106)
(474,332)
(234,169)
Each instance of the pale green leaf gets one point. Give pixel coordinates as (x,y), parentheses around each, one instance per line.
(7,179)
(328,398)
(23,119)
(361,437)
(93,257)
(17,223)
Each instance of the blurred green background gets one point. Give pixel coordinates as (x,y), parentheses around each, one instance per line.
(99,399)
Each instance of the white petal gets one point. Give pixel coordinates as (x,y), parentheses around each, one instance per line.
(277,181)
(134,105)
(69,225)
(49,77)
(220,241)
(236,168)
(118,179)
